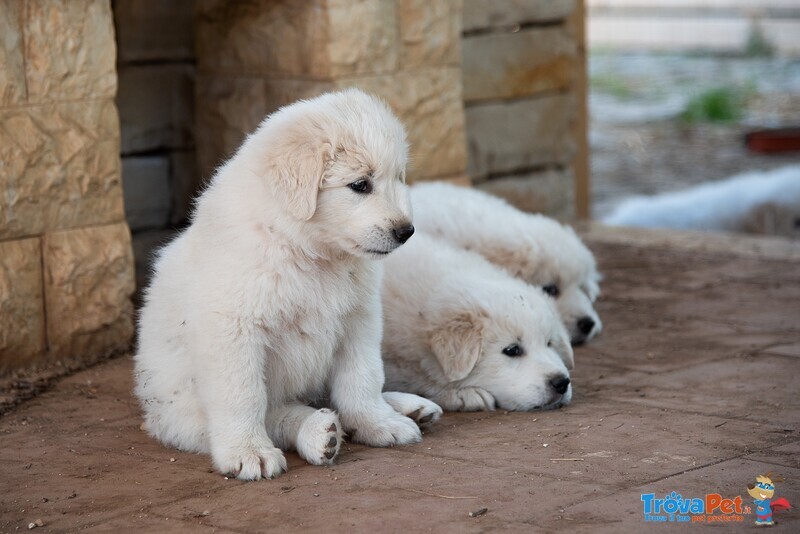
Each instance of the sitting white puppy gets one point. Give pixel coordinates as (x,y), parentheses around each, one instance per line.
(532,247)
(270,299)
(463,333)
(755,202)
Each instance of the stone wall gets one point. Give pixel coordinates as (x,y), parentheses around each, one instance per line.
(256,56)
(525,101)
(66,266)
(156,65)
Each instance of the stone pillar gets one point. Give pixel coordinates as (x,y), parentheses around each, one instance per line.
(66,268)
(522,75)
(256,56)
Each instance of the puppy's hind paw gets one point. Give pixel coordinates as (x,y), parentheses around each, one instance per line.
(251,463)
(418,409)
(320,438)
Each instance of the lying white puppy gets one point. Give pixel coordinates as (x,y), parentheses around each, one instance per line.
(463,333)
(755,202)
(535,248)
(270,299)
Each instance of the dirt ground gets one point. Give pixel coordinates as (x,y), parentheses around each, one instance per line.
(692,387)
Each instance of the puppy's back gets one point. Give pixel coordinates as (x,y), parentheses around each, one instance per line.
(517,241)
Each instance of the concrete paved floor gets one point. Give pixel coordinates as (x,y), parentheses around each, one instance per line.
(691,388)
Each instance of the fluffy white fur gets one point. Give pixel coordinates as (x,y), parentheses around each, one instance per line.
(448,316)
(755,202)
(532,247)
(270,299)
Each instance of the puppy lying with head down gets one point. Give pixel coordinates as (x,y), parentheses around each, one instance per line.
(270,299)
(534,248)
(463,333)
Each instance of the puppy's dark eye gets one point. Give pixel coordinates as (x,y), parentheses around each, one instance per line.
(552,290)
(362,186)
(513,350)
(550,343)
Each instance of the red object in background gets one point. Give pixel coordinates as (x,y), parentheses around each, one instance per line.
(773,140)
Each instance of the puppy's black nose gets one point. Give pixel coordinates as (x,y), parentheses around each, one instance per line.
(404,232)
(585,325)
(560,384)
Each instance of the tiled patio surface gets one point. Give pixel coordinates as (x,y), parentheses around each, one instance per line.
(692,387)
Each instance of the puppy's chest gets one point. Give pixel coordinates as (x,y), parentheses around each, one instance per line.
(309,305)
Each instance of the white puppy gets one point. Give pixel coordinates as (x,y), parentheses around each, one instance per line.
(270,299)
(756,202)
(535,248)
(463,333)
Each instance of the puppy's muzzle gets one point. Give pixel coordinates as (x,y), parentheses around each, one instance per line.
(403,233)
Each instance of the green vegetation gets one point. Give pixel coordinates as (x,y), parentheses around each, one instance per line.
(757,44)
(611,85)
(716,105)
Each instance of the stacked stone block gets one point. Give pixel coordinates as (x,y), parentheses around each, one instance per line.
(66,267)
(256,56)
(156,65)
(524,98)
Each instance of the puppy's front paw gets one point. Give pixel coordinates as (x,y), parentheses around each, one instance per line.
(250,462)
(385,429)
(320,438)
(468,399)
(420,410)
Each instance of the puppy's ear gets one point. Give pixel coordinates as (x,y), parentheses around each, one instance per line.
(516,260)
(298,162)
(592,286)
(563,347)
(456,343)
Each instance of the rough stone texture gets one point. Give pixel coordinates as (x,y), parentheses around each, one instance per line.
(229,108)
(60,170)
(154,30)
(430,33)
(146,185)
(520,135)
(69,50)
(156,107)
(362,37)
(549,192)
(429,103)
(318,39)
(21,303)
(488,14)
(512,65)
(61,164)
(89,281)
(664,401)
(255,57)
(279,37)
(12,64)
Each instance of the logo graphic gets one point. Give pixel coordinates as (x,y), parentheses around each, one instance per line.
(714,508)
(762,492)
(674,508)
